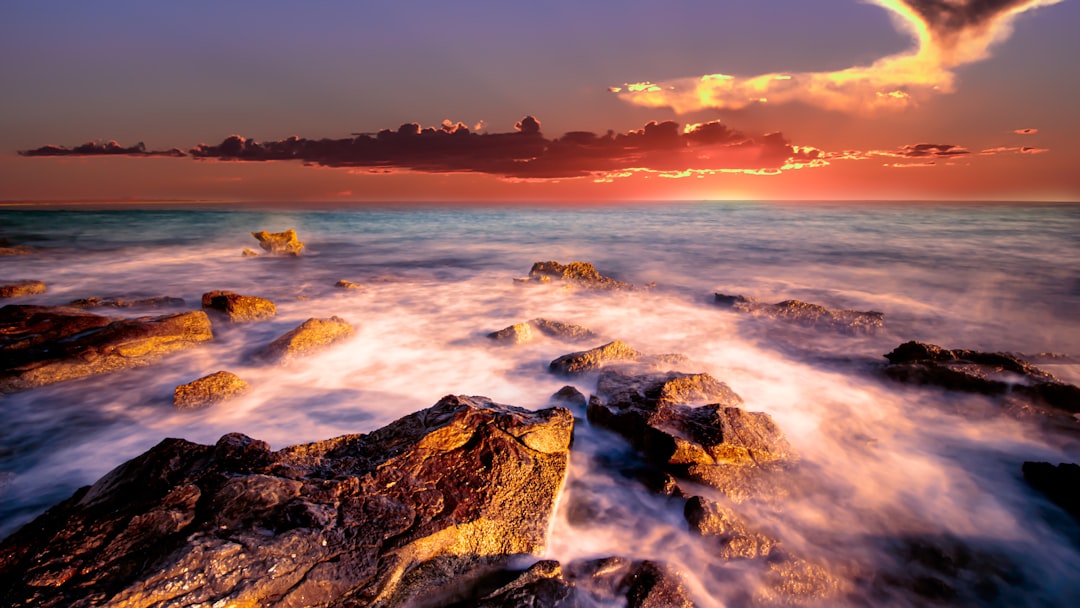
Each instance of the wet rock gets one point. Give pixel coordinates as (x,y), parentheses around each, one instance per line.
(279,243)
(380,519)
(7,249)
(582,274)
(42,345)
(692,425)
(208,390)
(980,372)
(20,289)
(733,537)
(521,333)
(1060,484)
(612,352)
(310,336)
(249,253)
(807,314)
(570,396)
(238,308)
(127,302)
(348,285)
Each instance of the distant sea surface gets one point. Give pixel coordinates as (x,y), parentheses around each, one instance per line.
(995,277)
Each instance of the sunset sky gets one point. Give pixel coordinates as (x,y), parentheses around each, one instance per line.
(546,101)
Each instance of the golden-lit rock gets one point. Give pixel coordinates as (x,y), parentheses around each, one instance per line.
(582,274)
(127,302)
(209,390)
(807,314)
(310,336)
(238,308)
(521,333)
(20,289)
(279,243)
(595,358)
(344,284)
(249,253)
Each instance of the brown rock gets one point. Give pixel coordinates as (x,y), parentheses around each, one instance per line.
(249,253)
(733,537)
(6,250)
(348,284)
(582,274)
(41,345)
(593,359)
(518,333)
(807,314)
(19,289)
(309,336)
(521,333)
(279,243)
(208,390)
(380,519)
(239,308)
(125,302)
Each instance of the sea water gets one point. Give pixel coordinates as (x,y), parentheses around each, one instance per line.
(892,461)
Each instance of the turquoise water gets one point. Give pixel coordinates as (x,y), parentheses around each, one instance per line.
(991,277)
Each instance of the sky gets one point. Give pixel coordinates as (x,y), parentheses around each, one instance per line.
(557,101)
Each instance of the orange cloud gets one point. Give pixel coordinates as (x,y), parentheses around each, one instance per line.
(946,34)
(1026,131)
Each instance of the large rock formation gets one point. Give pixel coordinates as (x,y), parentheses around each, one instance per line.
(238,308)
(521,333)
(692,425)
(208,390)
(41,345)
(279,243)
(20,289)
(807,314)
(981,372)
(582,274)
(439,497)
(310,336)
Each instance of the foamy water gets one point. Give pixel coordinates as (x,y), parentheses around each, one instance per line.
(881,461)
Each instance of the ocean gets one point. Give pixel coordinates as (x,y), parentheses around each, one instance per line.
(892,461)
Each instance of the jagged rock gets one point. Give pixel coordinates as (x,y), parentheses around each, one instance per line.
(238,308)
(279,243)
(980,372)
(582,274)
(208,390)
(381,519)
(595,358)
(348,285)
(309,336)
(41,345)
(734,537)
(249,253)
(19,289)
(520,333)
(610,581)
(570,396)
(691,425)
(1060,484)
(807,314)
(124,302)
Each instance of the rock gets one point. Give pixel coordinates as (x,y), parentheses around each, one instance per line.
(208,390)
(387,518)
(348,285)
(124,302)
(19,289)
(249,253)
(1060,484)
(734,537)
(41,345)
(6,250)
(593,359)
(279,243)
(806,314)
(238,308)
(569,396)
(979,372)
(309,336)
(582,274)
(521,333)
(716,443)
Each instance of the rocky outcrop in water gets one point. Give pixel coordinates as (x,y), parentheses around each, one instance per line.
(985,373)
(127,302)
(310,336)
(344,284)
(1060,484)
(522,333)
(20,289)
(209,390)
(581,274)
(806,314)
(435,499)
(249,253)
(42,345)
(279,243)
(617,352)
(238,308)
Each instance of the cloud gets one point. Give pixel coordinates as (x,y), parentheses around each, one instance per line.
(946,34)
(1026,131)
(1013,150)
(109,148)
(525,153)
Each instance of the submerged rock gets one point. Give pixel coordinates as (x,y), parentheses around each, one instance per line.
(980,372)
(125,302)
(1060,484)
(279,243)
(437,497)
(20,289)
(807,314)
(582,274)
(41,345)
(348,284)
(521,333)
(208,390)
(310,336)
(239,308)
